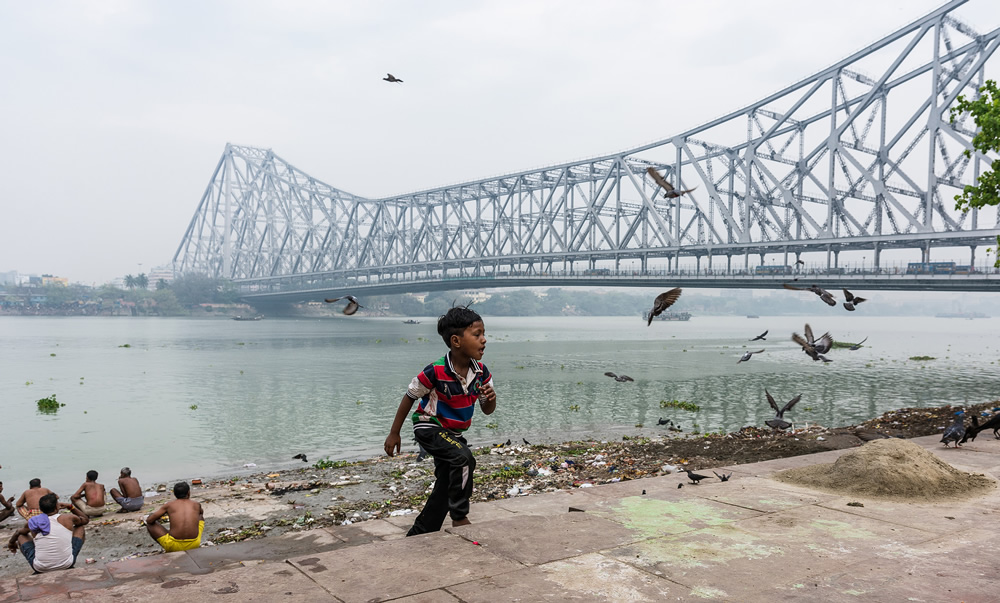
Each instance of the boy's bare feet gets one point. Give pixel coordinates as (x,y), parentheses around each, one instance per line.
(461,522)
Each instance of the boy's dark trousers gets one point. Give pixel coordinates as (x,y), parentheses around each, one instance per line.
(453,467)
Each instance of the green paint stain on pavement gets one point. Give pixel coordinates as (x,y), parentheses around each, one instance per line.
(711,546)
(706,592)
(651,517)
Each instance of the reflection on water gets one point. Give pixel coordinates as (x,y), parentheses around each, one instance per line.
(267,390)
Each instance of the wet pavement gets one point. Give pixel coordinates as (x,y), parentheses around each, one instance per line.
(748,539)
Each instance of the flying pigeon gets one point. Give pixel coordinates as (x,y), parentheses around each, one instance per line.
(662,302)
(669,192)
(800,262)
(760,337)
(352,303)
(823,294)
(391,78)
(610,374)
(302,457)
(815,348)
(723,477)
(695,477)
(955,432)
(851,300)
(747,355)
(623,378)
(778,422)
(857,346)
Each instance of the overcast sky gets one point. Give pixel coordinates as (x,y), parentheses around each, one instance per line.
(113,114)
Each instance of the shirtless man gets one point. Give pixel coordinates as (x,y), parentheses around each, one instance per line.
(89,498)
(187,522)
(7,510)
(130,497)
(51,541)
(27,503)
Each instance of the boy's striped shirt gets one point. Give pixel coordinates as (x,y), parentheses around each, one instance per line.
(444,399)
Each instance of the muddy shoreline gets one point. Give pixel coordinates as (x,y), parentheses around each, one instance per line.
(326,493)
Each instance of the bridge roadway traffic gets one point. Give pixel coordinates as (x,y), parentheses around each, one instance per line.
(314,287)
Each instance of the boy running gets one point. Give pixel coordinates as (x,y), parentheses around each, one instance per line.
(448,390)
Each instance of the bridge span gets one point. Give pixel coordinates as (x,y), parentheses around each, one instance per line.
(860,158)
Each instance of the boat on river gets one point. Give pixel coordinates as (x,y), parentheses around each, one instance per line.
(411,322)
(258,317)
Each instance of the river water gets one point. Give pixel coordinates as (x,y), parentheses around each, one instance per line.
(270,389)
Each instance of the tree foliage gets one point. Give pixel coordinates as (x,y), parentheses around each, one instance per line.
(985,110)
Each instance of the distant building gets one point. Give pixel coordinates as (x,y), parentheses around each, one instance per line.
(164,273)
(474,295)
(48,279)
(9,278)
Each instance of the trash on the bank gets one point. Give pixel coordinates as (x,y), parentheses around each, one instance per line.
(151,493)
(401,512)
(615,480)
(196,482)
(514,491)
(821,439)
(161,488)
(412,473)
(249,464)
(476,543)
(854,504)
(91,560)
(273,475)
(543,471)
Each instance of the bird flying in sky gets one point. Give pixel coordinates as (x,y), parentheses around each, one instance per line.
(352,303)
(669,191)
(391,78)
(662,302)
(778,422)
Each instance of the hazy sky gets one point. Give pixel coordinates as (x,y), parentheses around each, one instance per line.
(113,114)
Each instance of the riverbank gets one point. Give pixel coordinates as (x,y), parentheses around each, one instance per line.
(328,493)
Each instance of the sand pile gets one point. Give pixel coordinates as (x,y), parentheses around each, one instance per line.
(891,468)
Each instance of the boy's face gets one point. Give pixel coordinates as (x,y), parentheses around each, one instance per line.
(472,341)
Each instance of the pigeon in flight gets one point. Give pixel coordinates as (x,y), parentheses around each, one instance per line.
(823,294)
(352,303)
(669,191)
(815,348)
(747,355)
(852,300)
(800,262)
(619,378)
(695,477)
(391,78)
(955,431)
(302,457)
(778,422)
(723,477)
(662,302)
(760,337)
(857,346)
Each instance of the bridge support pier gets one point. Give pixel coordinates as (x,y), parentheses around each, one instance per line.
(972,256)
(878,256)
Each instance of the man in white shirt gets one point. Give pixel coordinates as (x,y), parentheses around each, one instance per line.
(51,541)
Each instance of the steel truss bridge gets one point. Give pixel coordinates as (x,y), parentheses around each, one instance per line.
(861,156)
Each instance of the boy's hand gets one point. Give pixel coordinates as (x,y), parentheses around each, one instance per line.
(392,444)
(488,394)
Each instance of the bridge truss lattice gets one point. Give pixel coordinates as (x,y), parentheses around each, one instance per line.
(861,155)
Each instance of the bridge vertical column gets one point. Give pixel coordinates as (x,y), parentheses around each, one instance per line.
(878,254)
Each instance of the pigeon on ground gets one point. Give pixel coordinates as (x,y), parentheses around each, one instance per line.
(823,294)
(507,443)
(352,303)
(778,422)
(669,192)
(663,421)
(723,477)
(526,442)
(695,477)
(857,346)
(302,457)
(679,486)
(760,337)
(391,78)
(851,300)
(972,431)
(748,355)
(814,348)
(662,302)
(955,431)
(993,423)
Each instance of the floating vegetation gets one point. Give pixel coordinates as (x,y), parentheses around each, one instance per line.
(691,406)
(922,358)
(52,354)
(638,424)
(27,383)
(326,463)
(359,402)
(519,366)
(193,407)
(574,407)
(125,345)
(492,425)
(241,372)
(240,343)
(49,405)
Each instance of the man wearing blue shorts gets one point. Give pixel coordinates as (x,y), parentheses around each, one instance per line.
(51,541)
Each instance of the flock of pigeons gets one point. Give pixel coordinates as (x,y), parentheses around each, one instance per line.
(813,347)
(957,432)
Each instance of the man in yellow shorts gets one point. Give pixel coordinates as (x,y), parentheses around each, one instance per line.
(186,518)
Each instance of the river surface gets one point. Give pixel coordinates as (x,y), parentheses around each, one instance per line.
(200,397)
